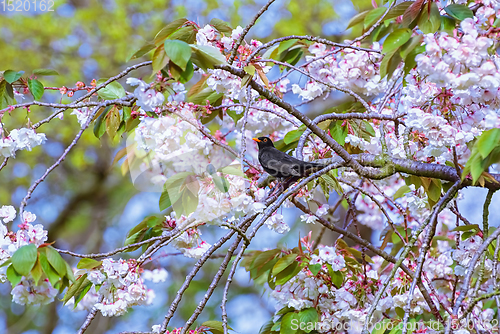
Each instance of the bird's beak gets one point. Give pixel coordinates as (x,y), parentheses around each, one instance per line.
(256,139)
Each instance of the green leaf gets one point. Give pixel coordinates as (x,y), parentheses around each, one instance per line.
(288,325)
(465,228)
(179,52)
(285,45)
(189,202)
(411,13)
(160,59)
(100,126)
(337,278)
(271,53)
(234,169)
(113,90)
(48,270)
(396,39)
(333,182)
(276,327)
(434,190)
(56,260)
(6,94)
(246,80)
(145,49)
(165,202)
(308,316)
(488,141)
(283,263)
(357,19)
(176,180)
(467,235)
(263,257)
(338,132)
(168,30)
(287,274)
(113,121)
(266,328)
(372,17)
(36,88)
(400,312)
(401,191)
(69,273)
(179,74)
(86,263)
(215,326)
(406,49)
(13,276)
(250,69)
(206,56)
(44,71)
(8,262)
(389,64)
(264,271)
(11,76)
(234,115)
(410,58)
(398,10)
(459,12)
(429,23)
(24,259)
(292,136)
(74,288)
(171,193)
(315,268)
(37,272)
(82,291)
(221,26)
(186,34)
(381,327)
(448,24)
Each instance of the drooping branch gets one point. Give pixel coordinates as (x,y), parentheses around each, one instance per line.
(376,250)
(416,233)
(468,276)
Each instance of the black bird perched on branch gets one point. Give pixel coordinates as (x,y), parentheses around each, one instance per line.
(280,164)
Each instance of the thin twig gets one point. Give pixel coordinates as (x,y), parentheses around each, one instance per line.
(4,163)
(90,317)
(57,163)
(196,268)
(307,38)
(436,210)
(97,88)
(468,277)
(212,286)
(245,31)
(376,250)
(373,27)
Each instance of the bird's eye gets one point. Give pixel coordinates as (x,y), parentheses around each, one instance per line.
(265,139)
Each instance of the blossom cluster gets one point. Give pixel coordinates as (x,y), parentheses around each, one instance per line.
(120,286)
(19,139)
(26,292)
(335,304)
(350,69)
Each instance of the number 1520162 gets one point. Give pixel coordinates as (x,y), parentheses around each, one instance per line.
(27,5)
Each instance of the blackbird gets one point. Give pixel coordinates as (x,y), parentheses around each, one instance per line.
(280,164)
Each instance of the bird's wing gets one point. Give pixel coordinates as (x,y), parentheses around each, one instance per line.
(280,162)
